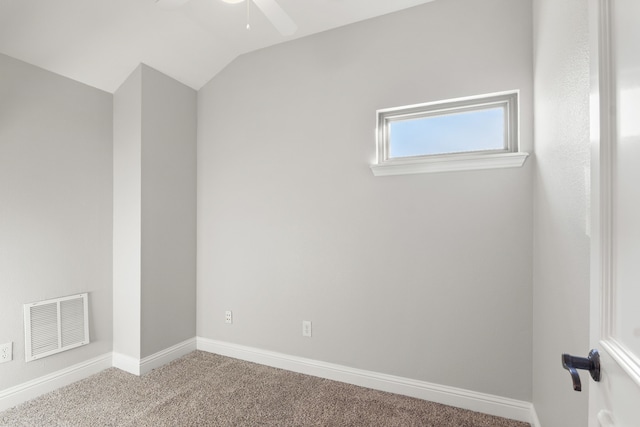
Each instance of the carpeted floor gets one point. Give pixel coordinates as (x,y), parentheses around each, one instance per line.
(203,389)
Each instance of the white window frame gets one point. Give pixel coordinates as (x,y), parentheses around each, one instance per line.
(508,157)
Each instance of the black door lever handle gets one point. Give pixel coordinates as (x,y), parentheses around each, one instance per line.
(590,363)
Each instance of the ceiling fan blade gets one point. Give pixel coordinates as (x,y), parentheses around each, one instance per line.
(278,17)
(170,4)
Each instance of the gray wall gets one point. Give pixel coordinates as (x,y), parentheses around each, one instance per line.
(155,214)
(168,212)
(407,275)
(55,209)
(127,215)
(561,254)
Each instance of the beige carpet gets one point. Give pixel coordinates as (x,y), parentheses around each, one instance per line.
(203,389)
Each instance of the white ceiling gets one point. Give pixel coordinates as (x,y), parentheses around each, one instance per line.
(100,42)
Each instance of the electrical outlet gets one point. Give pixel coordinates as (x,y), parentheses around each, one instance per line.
(306,328)
(228,316)
(6,352)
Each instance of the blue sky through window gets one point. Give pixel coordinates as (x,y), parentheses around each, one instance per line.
(475,130)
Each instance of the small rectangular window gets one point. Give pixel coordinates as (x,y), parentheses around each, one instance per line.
(469,133)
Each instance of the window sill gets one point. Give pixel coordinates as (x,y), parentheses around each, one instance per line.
(450,163)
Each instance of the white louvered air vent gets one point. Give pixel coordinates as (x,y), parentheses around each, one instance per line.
(55,325)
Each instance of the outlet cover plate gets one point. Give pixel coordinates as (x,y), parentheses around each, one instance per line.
(228,316)
(6,352)
(306,328)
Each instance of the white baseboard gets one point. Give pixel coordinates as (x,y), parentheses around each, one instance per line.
(460,398)
(535,422)
(168,355)
(126,363)
(141,367)
(21,393)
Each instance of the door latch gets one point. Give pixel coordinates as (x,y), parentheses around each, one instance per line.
(590,363)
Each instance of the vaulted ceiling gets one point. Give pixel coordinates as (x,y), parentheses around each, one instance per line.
(100,42)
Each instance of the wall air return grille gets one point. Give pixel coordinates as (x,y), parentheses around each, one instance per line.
(55,325)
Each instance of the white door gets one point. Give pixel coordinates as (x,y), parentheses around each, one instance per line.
(615,225)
